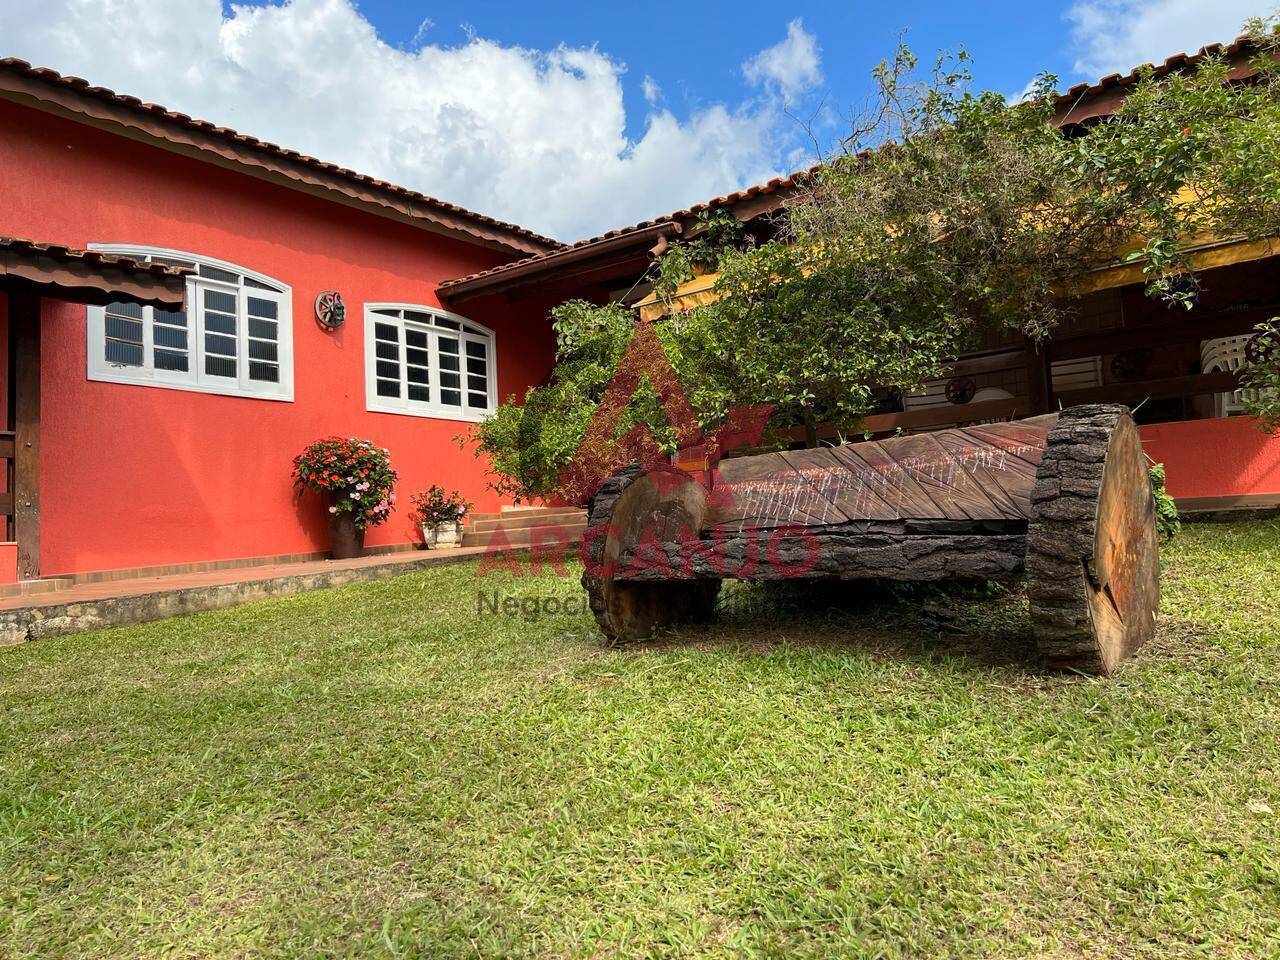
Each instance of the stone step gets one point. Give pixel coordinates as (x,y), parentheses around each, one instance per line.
(523,536)
(34,588)
(515,512)
(530,520)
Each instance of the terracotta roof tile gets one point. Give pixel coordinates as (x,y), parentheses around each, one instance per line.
(729,199)
(1066,102)
(82,87)
(94,258)
(68,273)
(1073,96)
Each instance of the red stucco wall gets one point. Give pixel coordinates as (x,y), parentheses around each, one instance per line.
(138,476)
(8,562)
(1215,458)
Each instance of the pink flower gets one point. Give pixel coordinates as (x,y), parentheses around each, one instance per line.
(333,509)
(355,496)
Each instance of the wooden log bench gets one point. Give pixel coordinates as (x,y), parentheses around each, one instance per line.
(1062,500)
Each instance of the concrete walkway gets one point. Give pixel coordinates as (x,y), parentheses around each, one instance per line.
(116,603)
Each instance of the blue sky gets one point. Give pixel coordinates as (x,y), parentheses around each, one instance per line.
(571,118)
(696,50)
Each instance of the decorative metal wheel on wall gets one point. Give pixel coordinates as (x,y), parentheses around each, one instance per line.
(331,312)
(961,389)
(1130,365)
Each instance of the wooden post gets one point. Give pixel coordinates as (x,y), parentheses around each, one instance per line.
(24,354)
(1039,376)
(6,443)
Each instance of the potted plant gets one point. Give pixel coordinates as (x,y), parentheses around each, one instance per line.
(440,516)
(356,480)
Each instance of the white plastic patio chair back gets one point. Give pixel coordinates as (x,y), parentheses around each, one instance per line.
(1223,355)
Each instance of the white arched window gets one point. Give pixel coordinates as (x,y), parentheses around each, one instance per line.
(234,338)
(426,362)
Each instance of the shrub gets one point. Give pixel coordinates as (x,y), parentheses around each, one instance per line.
(1262,376)
(434,506)
(354,475)
(1168,523)
(528,444)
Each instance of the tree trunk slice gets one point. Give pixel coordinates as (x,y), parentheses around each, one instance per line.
(1093,565)
(632,515)
(1063,500)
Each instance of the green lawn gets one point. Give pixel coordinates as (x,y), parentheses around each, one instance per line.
(380,771)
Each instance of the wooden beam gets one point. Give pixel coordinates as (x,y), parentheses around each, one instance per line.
(572,282)
(1206,256)
(1039,375)
(6,454)
(6,527)
(938,416)
(972,366)
(1192,385)
(542,268)
(1188,329)
(951,413)
(24,349)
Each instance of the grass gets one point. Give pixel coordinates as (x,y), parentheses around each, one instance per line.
(380,771)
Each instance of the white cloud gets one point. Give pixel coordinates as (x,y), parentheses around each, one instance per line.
(790,66)
(420,34)
(1114,36)
(652,92)
(535,137)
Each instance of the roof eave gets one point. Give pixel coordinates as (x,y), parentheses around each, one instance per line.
(80,276)
(75,100)
(1090,101)
(537,270)
(748,204)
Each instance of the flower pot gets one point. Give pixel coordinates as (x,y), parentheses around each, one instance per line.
(442,535)
(346,540)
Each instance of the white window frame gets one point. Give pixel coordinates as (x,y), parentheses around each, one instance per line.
(434,410)
(195,379)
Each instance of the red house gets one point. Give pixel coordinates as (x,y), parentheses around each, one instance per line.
(148,429)
(166,437)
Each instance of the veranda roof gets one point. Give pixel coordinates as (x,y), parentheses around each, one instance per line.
(86,276)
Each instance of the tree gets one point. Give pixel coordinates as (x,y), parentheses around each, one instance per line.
(529,443)
(943,213)
(1261,376)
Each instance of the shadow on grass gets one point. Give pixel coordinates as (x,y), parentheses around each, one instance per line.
(984,624)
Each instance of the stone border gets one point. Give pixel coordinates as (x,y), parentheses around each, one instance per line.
(57,619)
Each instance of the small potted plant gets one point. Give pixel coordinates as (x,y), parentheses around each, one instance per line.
(356,480)
(440,515)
